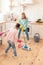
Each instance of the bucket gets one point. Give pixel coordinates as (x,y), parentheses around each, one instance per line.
(36,37)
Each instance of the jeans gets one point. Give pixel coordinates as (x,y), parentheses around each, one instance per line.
(26,31)
(11,44)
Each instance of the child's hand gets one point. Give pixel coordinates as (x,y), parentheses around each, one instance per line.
(4,34)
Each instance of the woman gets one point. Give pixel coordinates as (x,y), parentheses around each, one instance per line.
(23,25)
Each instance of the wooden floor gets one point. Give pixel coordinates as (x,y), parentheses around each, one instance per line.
(33,57)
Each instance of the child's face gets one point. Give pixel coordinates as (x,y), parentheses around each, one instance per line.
(17,28)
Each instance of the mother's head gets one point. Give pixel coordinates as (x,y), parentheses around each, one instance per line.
(23,15)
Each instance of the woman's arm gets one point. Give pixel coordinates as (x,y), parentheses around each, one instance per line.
(25,24)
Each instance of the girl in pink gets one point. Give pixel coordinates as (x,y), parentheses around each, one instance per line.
(12,38)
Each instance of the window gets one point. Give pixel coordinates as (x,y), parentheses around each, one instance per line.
(0,6)
(4,6)
(17,2)
(13,5)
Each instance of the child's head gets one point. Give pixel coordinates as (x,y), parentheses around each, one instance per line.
(23,16)
(17,26)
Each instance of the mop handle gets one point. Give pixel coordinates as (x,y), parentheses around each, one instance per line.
(22,27)
(24,38)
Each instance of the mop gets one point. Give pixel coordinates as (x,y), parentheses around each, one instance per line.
(25,47)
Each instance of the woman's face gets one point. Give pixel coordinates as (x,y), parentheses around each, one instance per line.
(23,16)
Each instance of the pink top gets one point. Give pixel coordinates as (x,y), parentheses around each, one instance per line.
(12,35)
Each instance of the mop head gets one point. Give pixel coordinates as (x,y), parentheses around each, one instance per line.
(25,47)
(20,45)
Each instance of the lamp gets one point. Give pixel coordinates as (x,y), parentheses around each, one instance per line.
(26,1)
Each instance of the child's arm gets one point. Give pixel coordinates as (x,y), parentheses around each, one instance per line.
(4,33)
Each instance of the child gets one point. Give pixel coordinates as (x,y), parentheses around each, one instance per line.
(12,38)
(23,25)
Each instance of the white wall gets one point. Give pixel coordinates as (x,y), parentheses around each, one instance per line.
(35,11)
